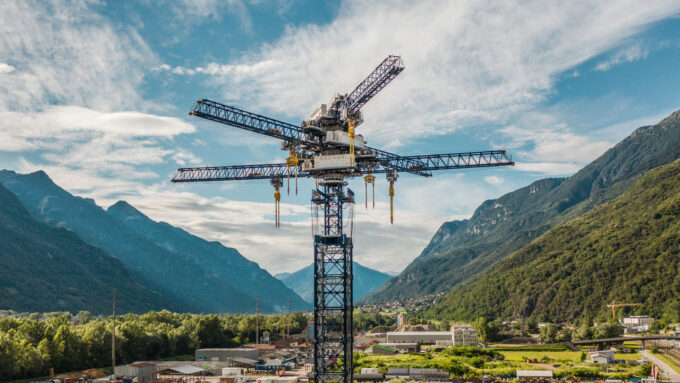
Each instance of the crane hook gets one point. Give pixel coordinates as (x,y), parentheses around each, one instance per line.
(277,183)
(292,161)
(391,178)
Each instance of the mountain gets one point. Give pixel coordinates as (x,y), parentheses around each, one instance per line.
(215,259)
(51,269)
(302,281)
(176,274)
(462,249)
(626,250)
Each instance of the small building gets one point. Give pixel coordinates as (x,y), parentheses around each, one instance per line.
(598,358)
(187,373)
(420,337)
(464,335)
(401,320)
(418,374)
(534,376)
(637,321)
(401,348)
(143,371)
(224,354)
(602,357)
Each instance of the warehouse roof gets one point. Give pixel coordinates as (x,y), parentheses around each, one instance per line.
(534,373)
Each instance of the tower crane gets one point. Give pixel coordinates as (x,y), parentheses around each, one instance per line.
(327,148)
(614,305)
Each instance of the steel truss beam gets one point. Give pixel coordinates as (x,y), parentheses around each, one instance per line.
(239,118)
(423,164)
(383,74)
(333,306)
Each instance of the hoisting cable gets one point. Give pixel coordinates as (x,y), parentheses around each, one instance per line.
(292,161)
(391,178)
(350,131)
(277,182)
(391,202)
(369,179)
(277,205)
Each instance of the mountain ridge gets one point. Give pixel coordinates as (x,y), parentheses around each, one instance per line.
(625,250)
(302,281)
(504,225)
(45,268)
(180,278)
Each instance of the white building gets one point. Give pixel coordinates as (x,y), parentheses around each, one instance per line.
(637,321)
(401,320)
(464,335)
(602,357)
(420,337)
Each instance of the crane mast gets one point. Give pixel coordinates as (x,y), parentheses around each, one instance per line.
(327,148)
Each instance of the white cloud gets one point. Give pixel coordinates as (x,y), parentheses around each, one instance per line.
(494,180)
(64,52)
(549,168)
(6,68)
(249,227)
(198,11)
(625,55)
(466,62)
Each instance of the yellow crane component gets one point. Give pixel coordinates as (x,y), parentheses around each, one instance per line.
(292,161)
(369,179)
(391,202)
(277,206)
(614,305)
(350,130)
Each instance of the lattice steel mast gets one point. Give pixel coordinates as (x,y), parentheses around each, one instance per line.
(327,148)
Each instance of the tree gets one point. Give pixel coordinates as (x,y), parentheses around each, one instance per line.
(548,333)
(482,327)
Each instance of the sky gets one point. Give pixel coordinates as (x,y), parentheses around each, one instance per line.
(97,94)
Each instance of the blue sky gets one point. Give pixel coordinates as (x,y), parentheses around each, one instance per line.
(96,93)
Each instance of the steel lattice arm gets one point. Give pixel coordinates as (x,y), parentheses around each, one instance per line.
(239,118)
(454,160)
(233,173)
(267,171)
(378,79)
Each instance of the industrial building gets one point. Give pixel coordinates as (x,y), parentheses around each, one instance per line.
(464,335)
(542,376)
(226,354)
(142,371)
(637,321)
(420,337)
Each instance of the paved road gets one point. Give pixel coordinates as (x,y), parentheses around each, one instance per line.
(666,370)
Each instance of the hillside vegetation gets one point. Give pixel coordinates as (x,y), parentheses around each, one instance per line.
(46,268)
(463,249)
(626,250)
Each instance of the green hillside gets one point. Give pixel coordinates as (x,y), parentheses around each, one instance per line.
(463,249)
(626,250)
(51,269)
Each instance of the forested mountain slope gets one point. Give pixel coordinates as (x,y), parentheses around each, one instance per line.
(51,269)
(215,259)
(177,274)
(463,249)
(626,250)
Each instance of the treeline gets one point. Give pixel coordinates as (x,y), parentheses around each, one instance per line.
(29,346)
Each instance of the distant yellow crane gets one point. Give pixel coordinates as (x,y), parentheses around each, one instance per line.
(614,305)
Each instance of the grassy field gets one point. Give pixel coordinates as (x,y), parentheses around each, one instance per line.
(548,356)
(504,362)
